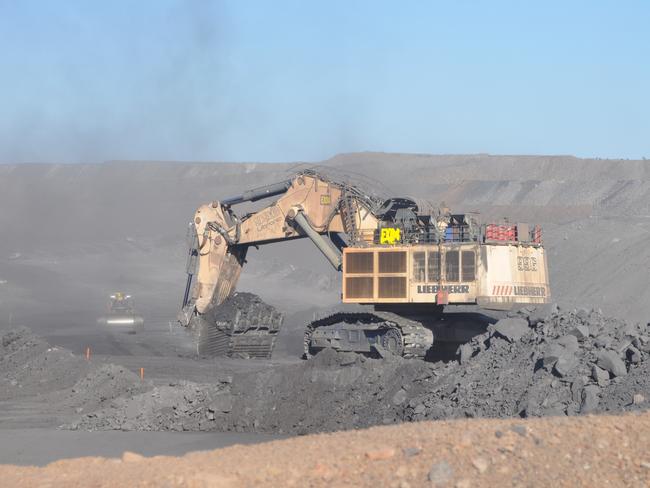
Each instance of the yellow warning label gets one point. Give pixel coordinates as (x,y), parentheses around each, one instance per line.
(326,199)
(390,235)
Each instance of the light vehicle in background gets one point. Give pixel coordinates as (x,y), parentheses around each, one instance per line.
(121,314)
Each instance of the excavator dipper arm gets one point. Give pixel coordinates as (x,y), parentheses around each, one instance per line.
(306,206)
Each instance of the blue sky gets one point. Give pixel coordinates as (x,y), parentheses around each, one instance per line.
(288,80)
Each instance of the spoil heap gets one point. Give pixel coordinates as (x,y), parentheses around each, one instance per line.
(183,406)
(32,370)
(536,363)
(543,362)
(30,366)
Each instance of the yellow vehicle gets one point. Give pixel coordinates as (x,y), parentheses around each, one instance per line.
(121,313)
(406,263)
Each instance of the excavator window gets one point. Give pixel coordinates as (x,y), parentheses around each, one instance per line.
(452,266)
(469,266)
(434,266)
(419,267)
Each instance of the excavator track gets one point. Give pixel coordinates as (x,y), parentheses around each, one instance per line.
(369,333)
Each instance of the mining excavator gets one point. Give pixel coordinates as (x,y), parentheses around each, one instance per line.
(403,263)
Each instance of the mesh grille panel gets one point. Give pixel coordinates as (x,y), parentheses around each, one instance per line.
(392,262)
(359,262)
(392,287)
(359,287)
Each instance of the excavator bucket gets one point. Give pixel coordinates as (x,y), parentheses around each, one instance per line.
(242,326)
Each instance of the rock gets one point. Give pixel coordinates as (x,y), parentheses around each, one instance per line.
(552,354)
(581,332)
(132,457)
(638,399)
(420,409)
(642,343)
(583,314)
(599,375)
(630,331)
(633,355)
(541,313)
(480,464)
(440,473)
(221,403)
(609,361)
(465,352)
(589,399)
(399,397)
(565,364)
(411,451)
(576,389)
(381,454)
(603,341)
(569,342)
(519,429)
(512,329)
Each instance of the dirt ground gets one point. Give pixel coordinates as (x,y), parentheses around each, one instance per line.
(587,451)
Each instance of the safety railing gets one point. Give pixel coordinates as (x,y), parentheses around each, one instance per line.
(488,233)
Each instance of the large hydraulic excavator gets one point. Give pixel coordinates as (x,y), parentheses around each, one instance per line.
(404,263)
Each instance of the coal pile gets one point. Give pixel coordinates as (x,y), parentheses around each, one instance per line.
(543,362)
(242,306)
(535,363)
(30,366)
(33,370)
(183,406)
(332,392)
(103,384)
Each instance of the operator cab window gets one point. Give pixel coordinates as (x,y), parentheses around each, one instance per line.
(469,266)
(452,266)
(434,266)
(419,267)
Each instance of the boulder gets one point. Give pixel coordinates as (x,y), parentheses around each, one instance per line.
(541,313)
(589,399)
(511,329)
(609,361)
(565,364)
(599,375)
